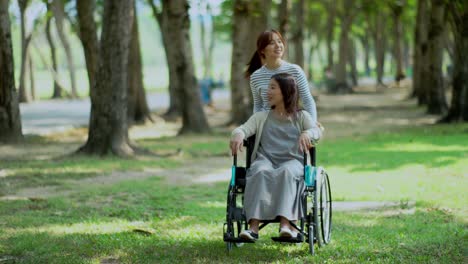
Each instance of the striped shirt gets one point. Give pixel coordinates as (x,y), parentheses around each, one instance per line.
(260,80)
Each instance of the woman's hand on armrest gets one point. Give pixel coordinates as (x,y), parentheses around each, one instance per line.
(236,143)
(304,142)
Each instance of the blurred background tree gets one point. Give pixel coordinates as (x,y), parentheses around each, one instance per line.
(338,44)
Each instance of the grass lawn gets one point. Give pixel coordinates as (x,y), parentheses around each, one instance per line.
(100,223)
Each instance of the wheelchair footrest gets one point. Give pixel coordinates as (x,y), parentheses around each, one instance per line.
(237,240)
(298,239)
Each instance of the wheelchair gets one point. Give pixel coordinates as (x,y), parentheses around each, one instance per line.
(314,228)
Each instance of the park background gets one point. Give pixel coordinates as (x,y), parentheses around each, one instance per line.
(397,160)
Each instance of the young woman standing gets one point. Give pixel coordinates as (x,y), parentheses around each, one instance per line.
(267,61)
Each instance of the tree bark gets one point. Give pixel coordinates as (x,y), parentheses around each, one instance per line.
(380,47)
(10,118)
(24,96)
(180,51)
(421,60)
(352,63)
(59,15)
(458,110)
(249,20)
(207,41)
(138,110)
(437,103)
(108,128)
(89,38)
(331,8)
(283,17)
(298,35)
(32,86)
(366,49)
(397,11)
(174,109)
(57,92)
(346,15)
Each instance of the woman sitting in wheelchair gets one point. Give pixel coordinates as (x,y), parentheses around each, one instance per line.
(275,179)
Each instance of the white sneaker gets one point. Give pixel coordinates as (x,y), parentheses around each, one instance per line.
(249,235)
(287,233)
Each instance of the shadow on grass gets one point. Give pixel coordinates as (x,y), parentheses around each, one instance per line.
(427,236)
(187,225)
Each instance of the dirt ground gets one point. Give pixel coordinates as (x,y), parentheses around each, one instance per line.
(366,111)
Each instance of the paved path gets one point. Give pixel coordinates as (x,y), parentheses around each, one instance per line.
(46,116)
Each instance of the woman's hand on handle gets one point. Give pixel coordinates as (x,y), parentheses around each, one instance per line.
(236,144)
(304,143)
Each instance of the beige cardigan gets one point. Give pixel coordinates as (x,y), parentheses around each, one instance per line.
(256,122)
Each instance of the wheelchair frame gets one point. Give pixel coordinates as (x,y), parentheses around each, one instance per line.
(316,224)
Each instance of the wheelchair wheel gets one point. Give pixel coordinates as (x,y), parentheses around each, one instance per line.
(312,220)
(325,209)
(323,221)
(230,232)
(311,238)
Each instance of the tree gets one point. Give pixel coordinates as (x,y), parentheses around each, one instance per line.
(347,14)
(331,16)
(53,57)
(420,50)
(108,127)
(89,39)
(437,103)
(179,52)
(10,119)
(138,110)
(283,17)
(207,40)
(298,33)
(397,8)
(377,27)
(250,19)
(162,19)
(458,14)
(24,96)
(59,15)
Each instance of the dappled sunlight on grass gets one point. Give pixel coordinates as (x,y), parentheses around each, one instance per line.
(419,146)
(116,226)
(413,182)
(213,204)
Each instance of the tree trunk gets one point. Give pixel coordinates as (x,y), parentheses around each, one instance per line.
(421,59)
(459,104)
(174,109)
(366,49)
(23,93)
(352,63)
(180,51)
(437,103)
(89,39)
(331,8)
(32,86)
(298,35)
(397,10)
(244,33)
(380,47)
(138,110)
(10,118)
(108,130)
(207,41)
(283,17)
(53,57)
(59,15)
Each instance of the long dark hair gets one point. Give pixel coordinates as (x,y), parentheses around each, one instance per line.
(263,40)
(288,86)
